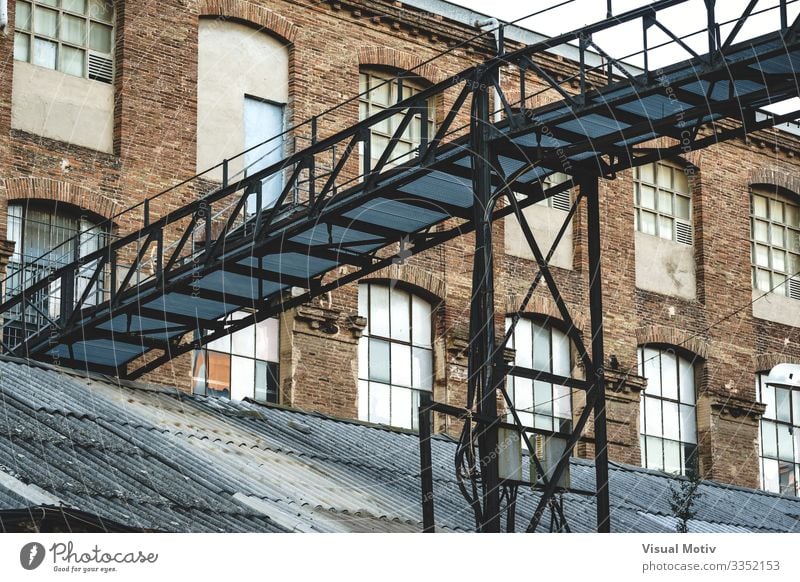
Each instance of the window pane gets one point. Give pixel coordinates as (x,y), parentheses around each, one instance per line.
(260,384)
(422,368)
(688,424)
(647,197)
(655,453)
(785,443)
(561,361)
(652,416)
(44,53)
(664,175)
(100,37)
(400,310)
(647,223)
(23,16)
(768,397)
(199,372)
(45,22)
(267,340)
(379,403)
(645,173)
(760,231)
(682,207)
(763,280)
(652,371)
(665,202)
(792,215)
(665,227)
(544,422)
(776,210)
(363,357)
(771,482)
(22,47)
(669,375)
(401,407)
(543,398)
(73,29)
(760,207)
(379,360)
(541,347)
(242,378)
(782,404)
(78,6)
(379,310)
(523,344)
(686,370)
(786,478)
(523,394)
(672,457)
(671,421)
(101,10)
(421,321)
(243,342)
(401,365)
(219,374)
(381,91)
(761,255)
(562,402)
(73,61)
(363,400)
(681,183)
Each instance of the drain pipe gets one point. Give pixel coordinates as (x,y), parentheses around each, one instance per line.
(497,116)
(3,15)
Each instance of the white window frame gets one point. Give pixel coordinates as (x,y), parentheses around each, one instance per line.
(669,186)
(668,410)
(400,331)
(774,243)
(97,65)
(779,437)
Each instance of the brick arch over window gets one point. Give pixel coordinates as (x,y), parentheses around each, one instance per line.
(775,177)
(59,191)
(765,362)
(249,13)
(389,57)
(658,334)
(544,306)
(691,157)
(433,286)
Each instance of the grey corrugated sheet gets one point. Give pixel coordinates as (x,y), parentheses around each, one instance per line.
(159,459)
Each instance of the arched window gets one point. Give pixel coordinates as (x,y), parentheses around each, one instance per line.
(46,238)
(241,365)
(779,436)
(379,91)
(542,347)
(663,202)
(668,417)
(775,242)
(395,355)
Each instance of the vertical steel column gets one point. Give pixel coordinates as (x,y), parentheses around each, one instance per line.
(482,336)
(425,462)
(589,189)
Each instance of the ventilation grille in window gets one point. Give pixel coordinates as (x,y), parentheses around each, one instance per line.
(561,201)
(683,232)
(101,68)
(794,287)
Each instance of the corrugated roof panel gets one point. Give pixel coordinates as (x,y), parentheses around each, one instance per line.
(441,187)
(593,125)
(395,215)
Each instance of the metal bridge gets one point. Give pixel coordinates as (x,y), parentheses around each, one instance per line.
(170,286)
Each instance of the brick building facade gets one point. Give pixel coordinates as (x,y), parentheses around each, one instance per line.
(71,139)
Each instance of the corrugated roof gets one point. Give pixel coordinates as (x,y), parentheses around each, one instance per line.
(160,459)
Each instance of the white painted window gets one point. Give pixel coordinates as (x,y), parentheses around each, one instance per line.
(73,36)
(779,437)
(545,348)
(562,200)
(380,91)
(263,126)
(668,415)
(241,365)
(775,243)
(395,355)
(663,202)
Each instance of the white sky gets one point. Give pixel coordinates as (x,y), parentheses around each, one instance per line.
(626,39)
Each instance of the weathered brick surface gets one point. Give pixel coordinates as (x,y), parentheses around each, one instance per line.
(154,148)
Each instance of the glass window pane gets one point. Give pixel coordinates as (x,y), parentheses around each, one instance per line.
(267,340)
(401,365)
(561,359)
(680,184)
(544,422)
(379,360)
(260,383)
(421,321)
(379,403)
(222,344)
(672,457)
(562,402)
(655,453)
(199,372)
(762,255)
(768,397)
(379,310)
(45,22)
(647,197)
(73,29)
(763,282)
(671,421)
(44,53)
(652,371)
(243,342)
(688,424)
(422,368)
(646,173)
(22,18)
(665,226)
(760,207)
(22,47)
(665,202)
(771,481)
(543,398)
(786,479)
(686,370)
(100,37)
(523,394)
(792,215)
(401,407)
(541,347)
(101,10)
(647,223)
(523,344)
(682,207)
(363,357)
(526,418)
(785,443)
(78,6)
(219,374)
(776,210)
(652,416)
(242,378)
(363,400)
(777,236)
(73,61)
(782,404)
(400,310)
(669,375)
(664,175)
(381,91)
